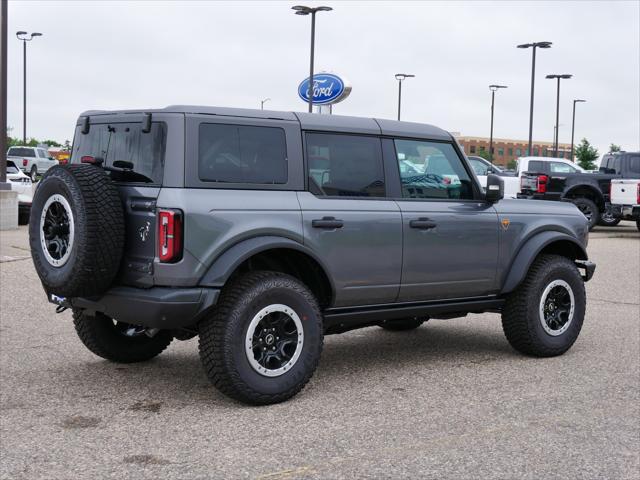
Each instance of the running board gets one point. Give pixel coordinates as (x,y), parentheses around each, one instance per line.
(338,320)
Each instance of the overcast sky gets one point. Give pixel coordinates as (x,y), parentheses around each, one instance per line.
(148,54)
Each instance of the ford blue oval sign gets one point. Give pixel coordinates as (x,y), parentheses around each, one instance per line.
(327,89)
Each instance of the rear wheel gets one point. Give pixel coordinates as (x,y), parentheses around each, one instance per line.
(544,316)
(589,209)
(402,324)
(263,341)
(117,341)
(608,220)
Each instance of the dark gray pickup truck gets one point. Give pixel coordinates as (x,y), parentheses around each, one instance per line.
(262,231)
(588,191)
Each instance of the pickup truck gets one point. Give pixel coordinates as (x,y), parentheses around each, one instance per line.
(33,161)
(625,199)
(588,191)
(511,180)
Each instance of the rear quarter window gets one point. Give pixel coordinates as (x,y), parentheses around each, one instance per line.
(634,164)
(242,154)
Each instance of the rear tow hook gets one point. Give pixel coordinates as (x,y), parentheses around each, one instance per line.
(61,302)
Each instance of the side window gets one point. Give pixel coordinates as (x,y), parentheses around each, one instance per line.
(535,166)
(634,164)
(242,154)
(478,167)
(345,165)
(442,174)
(558,167)
(41,153)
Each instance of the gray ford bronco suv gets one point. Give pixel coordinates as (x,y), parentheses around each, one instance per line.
(262,231)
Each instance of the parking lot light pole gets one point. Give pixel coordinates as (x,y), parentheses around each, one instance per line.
(401,77)
(302,10)
(533,79)
(493,89)
(262,102)
(3,95)
(558,77)
(573,124)
(24,38)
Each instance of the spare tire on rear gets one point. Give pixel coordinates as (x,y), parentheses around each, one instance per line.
(76,230)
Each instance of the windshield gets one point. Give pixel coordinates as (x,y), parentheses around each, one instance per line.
(129,154)
(21,152)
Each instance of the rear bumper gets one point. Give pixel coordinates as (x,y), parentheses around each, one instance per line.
(157,307)
(628,212)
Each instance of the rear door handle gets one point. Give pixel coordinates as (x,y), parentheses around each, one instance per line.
(327,222)
(422,224)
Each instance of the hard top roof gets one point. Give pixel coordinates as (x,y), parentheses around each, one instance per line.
(308,121)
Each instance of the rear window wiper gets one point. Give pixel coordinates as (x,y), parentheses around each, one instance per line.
(121,167)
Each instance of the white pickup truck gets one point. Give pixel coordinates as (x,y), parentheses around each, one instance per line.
(625,199)
(33,161)
(524,164)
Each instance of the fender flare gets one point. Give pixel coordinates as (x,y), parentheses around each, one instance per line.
(530,250)
(594,188)
(226,263)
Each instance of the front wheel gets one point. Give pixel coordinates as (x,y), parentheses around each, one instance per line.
(263,341)
(117,341)
(544,316)
(589,209)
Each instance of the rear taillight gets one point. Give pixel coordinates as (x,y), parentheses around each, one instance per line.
(542,183)
(638,194)
(169,235)
(25,162)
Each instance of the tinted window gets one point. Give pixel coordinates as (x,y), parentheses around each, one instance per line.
(557,167)
(634,163)
(443,175)
(42,153)
(345,165)
(242,154)
(142,154)
(479,167)
(21,152)
(536,166)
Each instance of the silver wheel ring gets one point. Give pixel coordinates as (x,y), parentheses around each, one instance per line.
(248,341)
(543,298)
(65,204)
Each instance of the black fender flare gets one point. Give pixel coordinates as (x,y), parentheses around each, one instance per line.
(530,250)
(599,196)
(226,263)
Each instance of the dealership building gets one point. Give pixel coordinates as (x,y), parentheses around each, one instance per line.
(505,150)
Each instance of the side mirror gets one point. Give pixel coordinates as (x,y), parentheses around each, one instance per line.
(495,188)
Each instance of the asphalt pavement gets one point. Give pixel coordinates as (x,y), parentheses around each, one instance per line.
(450,400)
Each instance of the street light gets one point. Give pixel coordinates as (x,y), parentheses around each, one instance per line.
(302,10)
(533,77)
(573,124)
(262,102)
(400,77)
(558,77)
(493,89)
(24,38)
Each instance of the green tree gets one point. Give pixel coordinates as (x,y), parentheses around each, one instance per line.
(614,148)
(586,155)
(484,154)
(52,143)
(512,165)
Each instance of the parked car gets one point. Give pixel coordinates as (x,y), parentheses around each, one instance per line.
(33,161)
(21,184)
(221,223)
(588,191)
(482,168)
(625,199)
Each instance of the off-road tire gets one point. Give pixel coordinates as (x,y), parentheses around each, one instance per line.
(521,317)
(100,336)
(586,205)
(33,174)
(99,231)
(403,324)
(607,220)
(222,338)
